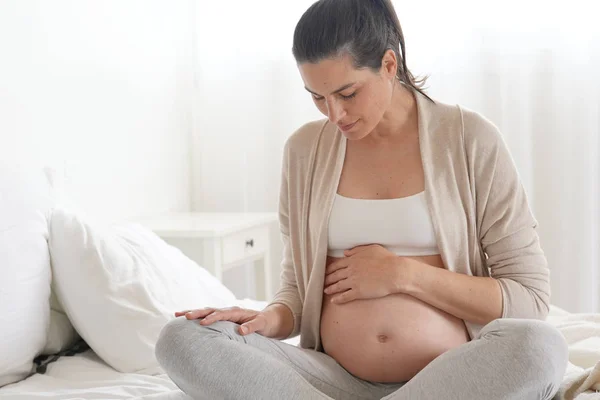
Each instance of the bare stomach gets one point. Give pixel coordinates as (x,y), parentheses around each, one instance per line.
(389,339)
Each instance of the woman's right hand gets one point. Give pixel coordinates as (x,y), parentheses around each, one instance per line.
(249,320)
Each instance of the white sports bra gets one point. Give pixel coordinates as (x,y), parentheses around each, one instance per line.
(402,225)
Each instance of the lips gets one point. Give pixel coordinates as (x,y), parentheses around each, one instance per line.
(347,127)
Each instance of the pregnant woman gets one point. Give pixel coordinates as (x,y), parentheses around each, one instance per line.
(412,268)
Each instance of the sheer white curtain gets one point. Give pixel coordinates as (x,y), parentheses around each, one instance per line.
(530,66)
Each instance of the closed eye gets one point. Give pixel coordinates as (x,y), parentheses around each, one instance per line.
(351,96)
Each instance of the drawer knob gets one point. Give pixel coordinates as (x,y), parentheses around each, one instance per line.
(250,243)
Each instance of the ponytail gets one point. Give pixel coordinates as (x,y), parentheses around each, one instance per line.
(396,41)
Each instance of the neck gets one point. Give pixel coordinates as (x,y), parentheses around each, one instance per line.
(398,120)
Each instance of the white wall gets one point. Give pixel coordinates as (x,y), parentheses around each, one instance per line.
(250,98)
(103,90)
(155,105)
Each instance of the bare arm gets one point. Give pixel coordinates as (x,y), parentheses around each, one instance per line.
(472,298)
(283,320)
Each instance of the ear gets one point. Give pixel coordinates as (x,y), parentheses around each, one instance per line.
(389,64)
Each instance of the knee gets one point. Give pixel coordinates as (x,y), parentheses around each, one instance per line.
(171,337)
(180,335)
(539,348)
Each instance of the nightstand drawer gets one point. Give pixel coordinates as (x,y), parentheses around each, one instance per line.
(249,242)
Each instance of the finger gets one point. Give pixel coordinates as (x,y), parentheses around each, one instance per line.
(357,249)
(336,265)
(216,316)
(349,253)
(345,297)
(340,286)
(233,314)
(257,324)
(336,276)
(180,313)
(195,314)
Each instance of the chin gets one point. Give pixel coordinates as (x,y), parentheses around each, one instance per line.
(358,135)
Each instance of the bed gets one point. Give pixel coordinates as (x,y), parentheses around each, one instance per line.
(86,376)
(65,280)
(582,333)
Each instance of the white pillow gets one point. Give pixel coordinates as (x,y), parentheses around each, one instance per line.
(120,285)
(25,204)
(61,333)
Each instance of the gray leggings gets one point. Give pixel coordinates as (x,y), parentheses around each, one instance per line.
(512,359)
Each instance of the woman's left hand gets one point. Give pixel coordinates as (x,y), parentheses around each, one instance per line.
(367,272)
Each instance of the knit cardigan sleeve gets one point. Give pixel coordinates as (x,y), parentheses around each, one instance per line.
(506,227)
(288,293)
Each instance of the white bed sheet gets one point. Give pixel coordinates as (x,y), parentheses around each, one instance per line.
(87,377)
(582,333)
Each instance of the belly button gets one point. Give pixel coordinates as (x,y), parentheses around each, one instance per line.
(382,338)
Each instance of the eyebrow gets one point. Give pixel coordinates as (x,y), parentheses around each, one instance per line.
(337,91)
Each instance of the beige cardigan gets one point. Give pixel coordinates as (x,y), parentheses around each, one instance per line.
(481,217)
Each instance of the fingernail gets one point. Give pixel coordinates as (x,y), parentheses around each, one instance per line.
(243,329)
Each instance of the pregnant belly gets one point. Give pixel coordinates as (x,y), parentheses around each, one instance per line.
(389,339)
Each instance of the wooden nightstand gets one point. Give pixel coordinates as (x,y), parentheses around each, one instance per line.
(220,242)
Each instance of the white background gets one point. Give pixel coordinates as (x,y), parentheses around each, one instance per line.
(155,106)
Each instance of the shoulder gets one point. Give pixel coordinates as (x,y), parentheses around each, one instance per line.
(480,135)
(486,151)
(303,140)
(467,135)
(454,120)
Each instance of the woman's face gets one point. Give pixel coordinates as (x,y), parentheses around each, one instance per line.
(355,100)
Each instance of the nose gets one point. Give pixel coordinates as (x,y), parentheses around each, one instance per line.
(335,111)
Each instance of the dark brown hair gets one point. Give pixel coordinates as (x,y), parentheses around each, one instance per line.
(363,29)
